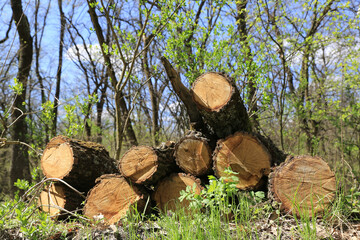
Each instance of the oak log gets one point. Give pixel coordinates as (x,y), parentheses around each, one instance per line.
(246,156)
(113,197)
(303,185)
(79,163)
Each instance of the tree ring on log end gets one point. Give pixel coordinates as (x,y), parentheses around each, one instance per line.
(193,156)
(139,163)
(245,155)
(51,199)
(303,185)
(112,197)
(57,160)
(168,191)
(212,91)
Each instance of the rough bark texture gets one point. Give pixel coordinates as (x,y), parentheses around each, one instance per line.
(220,104)
(277,156)
(57,196)
(113,196)
(184,94)
(77,162)
(245,155)
(303,185)
(147,165)
(20,158)
(193,154)
(167,193)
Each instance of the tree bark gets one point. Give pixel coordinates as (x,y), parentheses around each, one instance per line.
(20,159)
(168,190)
(184,94)
(147,165)
(59,69)
(246,156)
(219,103)
(193,154)
(303,185)
(121,110)
(77,162)
(241,20)
(113,196)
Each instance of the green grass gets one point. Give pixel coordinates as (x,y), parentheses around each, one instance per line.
(219,212)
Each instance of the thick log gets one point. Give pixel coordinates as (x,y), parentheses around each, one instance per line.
(77,162)
(220,104)
(246,156)
(147,165)
(113,197)
(193,154)
(304,185)
(56,197)
(167,192)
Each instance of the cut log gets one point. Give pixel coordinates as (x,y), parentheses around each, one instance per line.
(112,197)
(56,197)
(193,154)
(147,165)
(168,191)
(245,155)
(220,104)
(303,185)
(77,162)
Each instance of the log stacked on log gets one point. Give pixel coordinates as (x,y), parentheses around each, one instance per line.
(219,103)
(245,155)
(219,116)
(146,165)
(79,164)
(193,154)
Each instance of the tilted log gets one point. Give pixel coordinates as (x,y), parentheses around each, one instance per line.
(304,185)
(147,165)
(167,192)
(245,155)
(79,163)
(220,104)
(193,154)
(112,197)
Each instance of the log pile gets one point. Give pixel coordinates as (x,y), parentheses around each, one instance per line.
(221,137)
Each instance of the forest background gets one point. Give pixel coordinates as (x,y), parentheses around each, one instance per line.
(92,70)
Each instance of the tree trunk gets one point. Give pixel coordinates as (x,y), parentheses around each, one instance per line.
(220,104)
(245,155)
(20,158)
(303,185)
(193,154)
(59,69)
(78,163)
(57,196)
(168,190)
(113,196)
(147,165)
